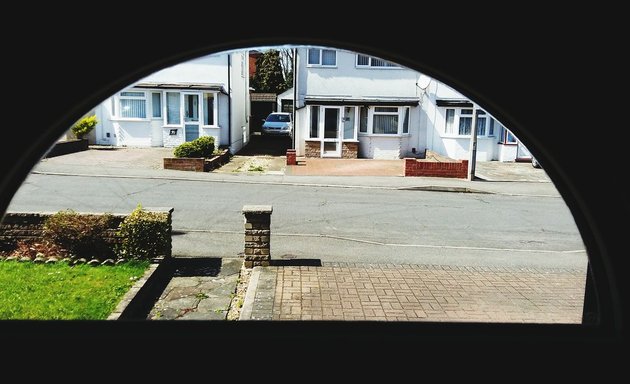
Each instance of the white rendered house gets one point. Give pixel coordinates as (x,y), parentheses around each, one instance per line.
(352,105)
(207,96)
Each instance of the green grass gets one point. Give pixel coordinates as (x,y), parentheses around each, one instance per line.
(61,292)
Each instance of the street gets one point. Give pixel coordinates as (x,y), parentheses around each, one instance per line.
(335,224)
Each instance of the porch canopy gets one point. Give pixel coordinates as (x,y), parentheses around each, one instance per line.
(361,101)
(191,86)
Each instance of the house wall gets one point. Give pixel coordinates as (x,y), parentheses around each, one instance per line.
(239,83)
(211,69)
(347,81)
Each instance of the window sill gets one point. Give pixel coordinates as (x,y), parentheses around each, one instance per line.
(370,67)
(465,137)
(384,134)
(210,127)
(320,66)
(172,126)
(129,119)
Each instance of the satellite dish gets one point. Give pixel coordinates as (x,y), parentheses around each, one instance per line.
(423,81)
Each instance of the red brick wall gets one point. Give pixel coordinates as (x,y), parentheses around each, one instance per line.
(184,164)
(291,158)
(416,167)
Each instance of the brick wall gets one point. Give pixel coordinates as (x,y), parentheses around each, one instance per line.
(312,149)
(16,226)
(349,150)
(421,167)
(185,164)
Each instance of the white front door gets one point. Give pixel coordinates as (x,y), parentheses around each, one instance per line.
(331,138)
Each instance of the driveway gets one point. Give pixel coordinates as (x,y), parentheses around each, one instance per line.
(499,171)
(121,157)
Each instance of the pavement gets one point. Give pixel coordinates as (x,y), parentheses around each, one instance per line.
(352,291)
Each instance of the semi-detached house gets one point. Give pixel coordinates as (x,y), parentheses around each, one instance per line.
(352,105)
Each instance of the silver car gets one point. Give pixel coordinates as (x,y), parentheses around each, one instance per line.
(278,123)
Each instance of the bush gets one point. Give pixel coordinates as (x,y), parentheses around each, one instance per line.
(187,150)
(200,147)
(84,126)
(82,235)
(145,235)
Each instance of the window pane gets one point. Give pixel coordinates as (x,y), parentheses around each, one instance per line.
(172,108)
(363,117)
(331,123)
(450,119)
(329,57)
(491,128)
(363,60)
(378,62)
(406,121)
(208,108)
(191,108)
(133,108)
(481,126)
(391,64)
(314,119)
(348,123)
(386,109)
(464,125)
(132,94)
(313,56)
(156,101)
(385,124)
(509,137)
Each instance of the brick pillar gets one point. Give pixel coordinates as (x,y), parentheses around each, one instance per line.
(291,158)
(257,235)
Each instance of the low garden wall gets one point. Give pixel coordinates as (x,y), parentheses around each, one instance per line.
(197,164)
(428,168)
(68,146)
(29,227)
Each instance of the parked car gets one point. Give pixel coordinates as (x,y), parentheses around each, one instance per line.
(278,123)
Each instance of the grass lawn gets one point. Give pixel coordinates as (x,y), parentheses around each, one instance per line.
(61,292)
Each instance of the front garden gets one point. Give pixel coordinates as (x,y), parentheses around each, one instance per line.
(70,265)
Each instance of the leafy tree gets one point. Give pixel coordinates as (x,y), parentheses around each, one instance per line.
(269,76)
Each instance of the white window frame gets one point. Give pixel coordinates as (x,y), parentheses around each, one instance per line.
(370,66)
(165,109)
(320,122)
(215,110)
(116,115)
(321,52)
(161,105)
(456,119)
(370,121)
(505,133)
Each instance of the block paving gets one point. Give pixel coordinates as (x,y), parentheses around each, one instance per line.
(386,292)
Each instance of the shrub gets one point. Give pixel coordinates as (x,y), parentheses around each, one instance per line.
(81,235)
(205,145)
(84,126)
(145,234)
(187,150)
(200,147)
(33,249)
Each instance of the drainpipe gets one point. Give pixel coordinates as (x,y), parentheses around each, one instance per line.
(295,74)
(229,91)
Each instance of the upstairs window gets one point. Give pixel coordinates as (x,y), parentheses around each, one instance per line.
(322,57)
(369,61)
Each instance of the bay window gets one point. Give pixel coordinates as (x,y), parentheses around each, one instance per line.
(385,120)
(133,105)
(462,119)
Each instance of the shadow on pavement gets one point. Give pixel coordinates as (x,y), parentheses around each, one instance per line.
(264,145)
